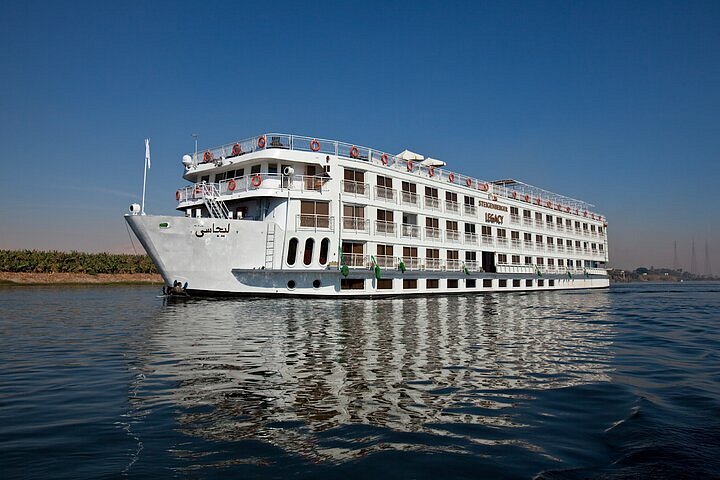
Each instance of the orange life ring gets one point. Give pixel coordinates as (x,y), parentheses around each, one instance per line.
(514,195)
(451,177)
(208,156)
(236,150)
(354,152)
(384,159)
(567,209)
(468,182)
(409,166)
(484,187)
(232,185)
(314,145)
(527,198)
(431,171)
(197,190)
(261,141)
(586,213)
(256,180)
(177,195)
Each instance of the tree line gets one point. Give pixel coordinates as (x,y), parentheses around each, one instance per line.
(34,261)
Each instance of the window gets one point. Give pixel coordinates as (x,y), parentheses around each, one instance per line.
(470,256)
(469,201)
(528,260)
(470,283)
(541,283)
(324,247)
(501,233)
(551,262)
(385,284)
(558,221)
(515,236)
(254,169)
(538,217)
(411,252)
(451,197)
(353,217)
(352,284)
(487,283)
(452,283)
(585,226)
(539,239)
(409,191)
(432,253)
(516,259)
(528,283)
(205,179)
(292,251)
(431,192)
(549,219)
(272,168)
(314,214)
(353,254)
(568,223)
(307,256)
(432,283)
(527,214)
(502,283)
(384,181)
(516,283)
(540,261)
(469,228)
(409,187)
(561,262)
(551,283)
(514,211)
(527,237)
(502,258)
(385,215)
(486,231)
(354,181)
(409,283)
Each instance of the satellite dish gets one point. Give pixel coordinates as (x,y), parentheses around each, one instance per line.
(187,161)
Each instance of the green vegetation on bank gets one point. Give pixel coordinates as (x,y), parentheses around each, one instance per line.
(33,261)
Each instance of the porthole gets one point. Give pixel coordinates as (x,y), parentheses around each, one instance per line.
(324,247)
(291,285)
(316,283)
(292,251)
(307,256)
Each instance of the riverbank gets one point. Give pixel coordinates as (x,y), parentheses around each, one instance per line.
(16,278)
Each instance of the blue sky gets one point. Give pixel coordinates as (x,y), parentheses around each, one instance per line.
(616,103)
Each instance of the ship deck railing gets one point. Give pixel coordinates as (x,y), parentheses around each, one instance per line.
(249,183)
(513,189)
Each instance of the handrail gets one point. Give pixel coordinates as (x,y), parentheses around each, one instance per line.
(514,190)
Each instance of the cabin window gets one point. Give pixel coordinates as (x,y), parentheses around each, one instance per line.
(324,247)
(514,211)
(528,283)
(487,283)
(272,169)
(516,283)
(205,179)
(528,260)
(541,283)
(502,258)
(470,283)
(516,259)
(314,214)
(409,283)
(451,197)
(452,283)
(432,283)
(431,192)
(551,283)
(307,256)
(352,284)
(486,231)
(292,251)
(254,169)
(384,181)
(385,284)
(502,283)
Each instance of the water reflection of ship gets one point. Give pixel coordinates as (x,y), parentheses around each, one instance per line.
(284,371)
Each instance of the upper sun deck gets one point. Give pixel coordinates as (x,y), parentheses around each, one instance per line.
(512,189)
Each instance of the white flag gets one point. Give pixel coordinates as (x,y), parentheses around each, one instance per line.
(147,152)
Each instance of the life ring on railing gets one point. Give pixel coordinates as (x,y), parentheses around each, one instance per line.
(484,187)
(514,195)
(354,152)
(261,141)
(567,209)
(177,195)
(208,156)
(431,171)
(314,145)
(451,177)
(198,190)
(256,180)
(232,185)
(548,204)
(384,159)
(586,213)
(527,198)
(468,182)
(409,166)
(236,150)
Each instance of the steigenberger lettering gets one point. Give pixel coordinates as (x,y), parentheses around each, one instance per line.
(493,206)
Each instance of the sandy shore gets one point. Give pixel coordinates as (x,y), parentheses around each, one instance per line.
(77,278)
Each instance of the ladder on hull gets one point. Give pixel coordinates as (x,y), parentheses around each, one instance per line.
(270,246)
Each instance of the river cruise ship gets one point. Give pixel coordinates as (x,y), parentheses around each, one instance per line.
(292,215)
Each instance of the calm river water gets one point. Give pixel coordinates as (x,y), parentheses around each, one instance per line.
(107,382)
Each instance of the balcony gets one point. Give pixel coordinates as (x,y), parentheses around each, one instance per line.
(453,265)
(527,221)
(432,203)
(410,231)
(515,219)
(488,240)
(470,210)
(515,242)
(386,261)
(384,228)
(314,222)
(473,265)
(412,263)
(471,238)
(384,194)
(502,241)
(357,224)
(451,206)
(356,189)
(432,233)
(505,268)
(452,236)
(408,198)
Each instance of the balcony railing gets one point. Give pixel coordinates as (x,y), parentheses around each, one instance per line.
(451,206)
(412,263)
(357,189)
(432,203)
(505,268)
(502,241)
(384,228)
(514,219)
(471,238)
(433,264)
(432,233)
(527,221)
(453,264)
(452,236)
(386,261)
(385,194)
(315,222)
(355,260)
(469,209)
(410,231)
(487,240)
(357,224)
(472,265)
(249,183)
(408,198)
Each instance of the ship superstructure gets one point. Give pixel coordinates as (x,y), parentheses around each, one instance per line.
(280,214)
